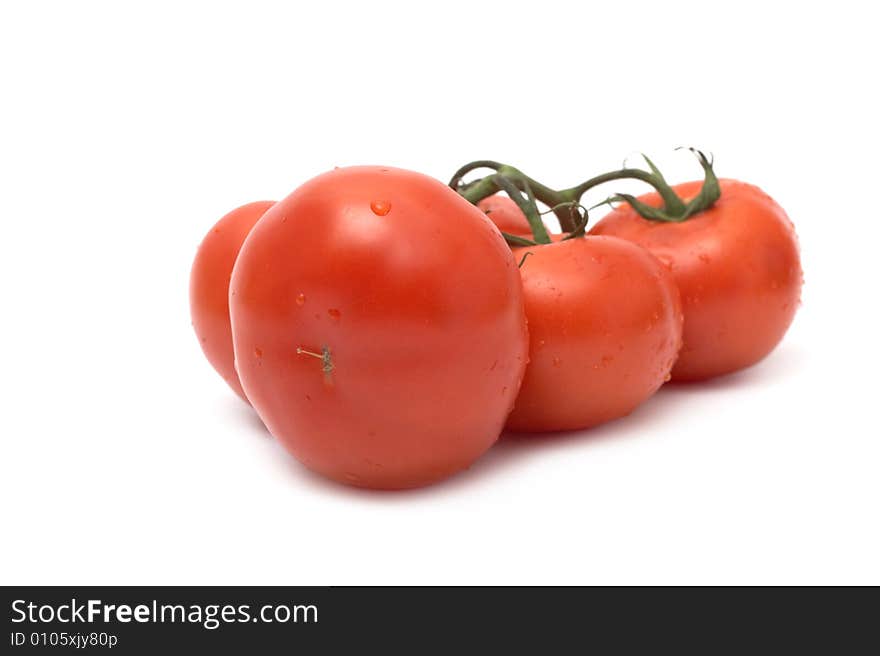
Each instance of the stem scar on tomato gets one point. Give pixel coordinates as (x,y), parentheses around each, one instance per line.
(324,356)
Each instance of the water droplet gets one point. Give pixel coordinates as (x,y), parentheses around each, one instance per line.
(556,362)
(334,314)
(380,207)
(300,299)
(258,351)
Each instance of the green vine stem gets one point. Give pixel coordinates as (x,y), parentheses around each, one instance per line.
(527,205)
(485,187)
(564,203)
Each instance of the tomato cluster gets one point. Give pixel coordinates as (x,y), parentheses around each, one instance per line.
(387,327)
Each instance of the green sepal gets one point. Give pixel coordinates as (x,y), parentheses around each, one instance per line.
(527,204)
(515,240)
(709,193)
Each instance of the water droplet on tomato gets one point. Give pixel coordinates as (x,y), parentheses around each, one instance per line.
(334,314)
(380,207)
(258,351)
(300,299)
(556,362)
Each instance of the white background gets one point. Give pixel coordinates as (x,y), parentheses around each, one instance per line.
(127,129)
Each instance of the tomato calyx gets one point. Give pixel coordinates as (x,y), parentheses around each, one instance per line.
(529,206)
(513,181)
(565,203)
(674,209)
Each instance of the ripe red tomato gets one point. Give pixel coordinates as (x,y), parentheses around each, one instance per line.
(737,267)
(379,328)
(604,328)
(506,215)
(209,287)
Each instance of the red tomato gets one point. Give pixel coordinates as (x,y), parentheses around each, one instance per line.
(605,328)
(209,287)
(737,267)
(506,215)
(379,327)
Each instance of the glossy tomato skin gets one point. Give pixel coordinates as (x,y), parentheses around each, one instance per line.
(506,215)
(415,300)
(209,287)
(604,326)
(737,266)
